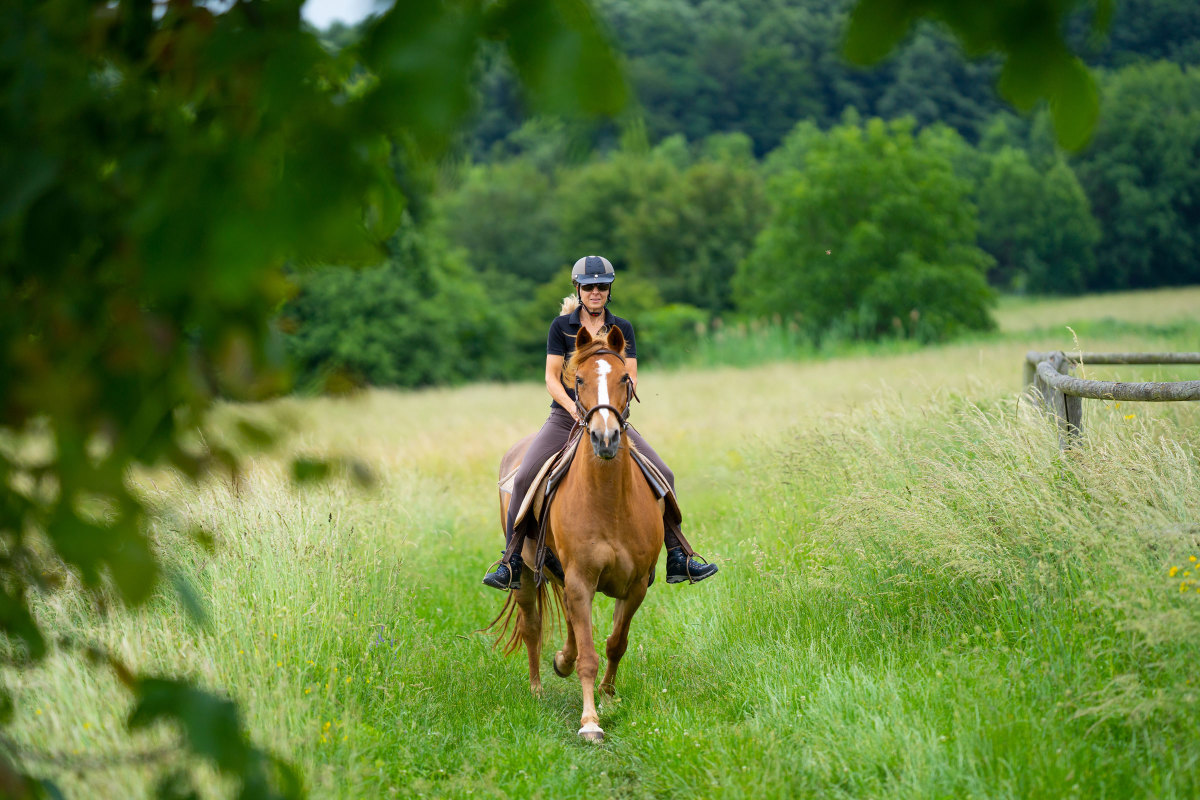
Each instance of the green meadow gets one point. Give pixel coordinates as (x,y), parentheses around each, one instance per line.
(920,596)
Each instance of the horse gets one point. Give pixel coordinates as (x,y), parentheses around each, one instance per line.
(605,527)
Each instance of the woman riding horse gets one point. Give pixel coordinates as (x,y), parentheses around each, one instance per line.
(592,277)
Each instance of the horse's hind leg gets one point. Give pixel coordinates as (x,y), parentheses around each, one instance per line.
(579,595)
(623,613)
(530,624)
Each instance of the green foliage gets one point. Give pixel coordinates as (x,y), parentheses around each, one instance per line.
(759,67)
(1141,172)
(690,234)
(158,171)
(421,318)
(872,235)
(502,214)
(1038,226)
(1038,62)
(594,201)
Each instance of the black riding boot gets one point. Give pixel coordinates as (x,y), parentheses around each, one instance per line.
(506,576)
(681,568)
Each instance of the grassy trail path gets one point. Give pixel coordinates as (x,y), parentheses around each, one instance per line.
(888,620)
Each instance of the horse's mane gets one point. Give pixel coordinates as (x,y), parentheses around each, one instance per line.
(583,354)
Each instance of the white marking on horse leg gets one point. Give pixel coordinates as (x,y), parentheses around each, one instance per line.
(590,727)
(602,370)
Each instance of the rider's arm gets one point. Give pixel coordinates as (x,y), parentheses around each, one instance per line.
(554,365)
(631,367)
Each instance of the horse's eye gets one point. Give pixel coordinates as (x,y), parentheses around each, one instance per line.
(578,381)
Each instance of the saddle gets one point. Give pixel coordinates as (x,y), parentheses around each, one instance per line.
(537,501)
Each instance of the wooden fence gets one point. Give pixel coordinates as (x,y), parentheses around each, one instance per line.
(1050,374)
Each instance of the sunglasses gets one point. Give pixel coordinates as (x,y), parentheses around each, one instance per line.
(596,287)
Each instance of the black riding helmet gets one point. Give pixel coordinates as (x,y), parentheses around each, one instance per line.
(591,270)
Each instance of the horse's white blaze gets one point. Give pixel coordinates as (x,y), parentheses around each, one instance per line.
(590,727)
(602,370)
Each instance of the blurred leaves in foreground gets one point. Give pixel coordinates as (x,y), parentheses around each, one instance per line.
(161,164)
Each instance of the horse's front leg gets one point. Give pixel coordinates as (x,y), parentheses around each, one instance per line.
(623,613)
(579,595)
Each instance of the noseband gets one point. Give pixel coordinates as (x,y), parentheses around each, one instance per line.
(586,415)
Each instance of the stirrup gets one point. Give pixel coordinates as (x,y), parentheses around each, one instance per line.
(514,574)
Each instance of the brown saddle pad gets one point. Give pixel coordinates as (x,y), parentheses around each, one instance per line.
(551,473)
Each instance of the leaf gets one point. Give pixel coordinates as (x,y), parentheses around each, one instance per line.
(210,724)
(177,785)
(190,600)
(305,470)
(876,26)
(17,622)
(422,54)
(24,176)
(1074,104)
(561,55)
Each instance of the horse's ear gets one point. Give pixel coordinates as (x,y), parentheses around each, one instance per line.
(582,338)
(616,340)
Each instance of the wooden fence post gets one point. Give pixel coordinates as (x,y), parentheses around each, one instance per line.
(1062,394)
(1068,409)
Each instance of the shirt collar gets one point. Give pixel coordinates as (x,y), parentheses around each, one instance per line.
(575,320)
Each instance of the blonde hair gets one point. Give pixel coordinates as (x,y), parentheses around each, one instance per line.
(569,304)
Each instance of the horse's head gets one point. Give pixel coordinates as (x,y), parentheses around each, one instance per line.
(603,388)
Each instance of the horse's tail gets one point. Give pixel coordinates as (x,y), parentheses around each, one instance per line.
(509,618)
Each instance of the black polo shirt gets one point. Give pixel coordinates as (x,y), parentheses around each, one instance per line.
(561,339)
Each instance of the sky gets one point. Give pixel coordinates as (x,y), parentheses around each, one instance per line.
(322,12)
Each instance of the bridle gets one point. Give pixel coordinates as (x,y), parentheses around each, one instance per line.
(623,415)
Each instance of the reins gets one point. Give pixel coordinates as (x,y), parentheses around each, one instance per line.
(586,414)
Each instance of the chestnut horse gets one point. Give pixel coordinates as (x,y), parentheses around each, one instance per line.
(605,526)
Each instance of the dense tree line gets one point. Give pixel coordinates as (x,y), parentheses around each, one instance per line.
(763,177)
(700,67)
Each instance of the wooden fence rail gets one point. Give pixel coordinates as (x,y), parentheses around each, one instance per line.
(1050,374)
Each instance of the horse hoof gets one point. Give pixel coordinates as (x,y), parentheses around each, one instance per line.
(591,732)
(557,670)
(536,690)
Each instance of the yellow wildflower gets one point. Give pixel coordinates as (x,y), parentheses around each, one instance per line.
(1174,571)
(279,663)
(1192,559)
(1129,416)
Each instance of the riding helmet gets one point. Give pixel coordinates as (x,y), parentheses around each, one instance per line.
(593,269)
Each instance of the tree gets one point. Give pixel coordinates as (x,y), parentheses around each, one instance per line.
(503,215)
(1038,227)
(1038,62)
(421,318)
(159,170)
(1141,172)
(689,236)
(872,234)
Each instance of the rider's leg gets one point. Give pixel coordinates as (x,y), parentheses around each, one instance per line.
(680,565)
(548,441)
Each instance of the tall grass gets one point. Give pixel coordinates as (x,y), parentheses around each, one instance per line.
(919,596)
(1166,315)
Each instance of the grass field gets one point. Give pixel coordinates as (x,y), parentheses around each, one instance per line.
(919,596)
